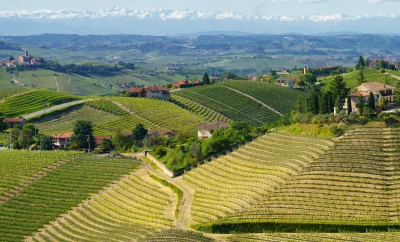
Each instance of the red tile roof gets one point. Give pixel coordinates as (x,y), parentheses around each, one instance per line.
(135,90)
(65,135)
(363,93)
(156,88)
(14,120)
(98,140)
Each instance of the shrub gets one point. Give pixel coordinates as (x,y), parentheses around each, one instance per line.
(160,151)
(336,130)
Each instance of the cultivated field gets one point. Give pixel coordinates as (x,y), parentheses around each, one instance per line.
(355,183)
(230,104)
(243,177)
(32,101)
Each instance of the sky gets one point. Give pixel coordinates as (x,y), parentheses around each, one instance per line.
(250,7)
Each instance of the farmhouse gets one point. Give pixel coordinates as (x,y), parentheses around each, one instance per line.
(98,140)
(14,122)
(207,129)
(150,92)
(378,89)
(185,83)
(63,140)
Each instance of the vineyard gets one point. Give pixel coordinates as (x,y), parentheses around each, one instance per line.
(355,183)
(18,167)
(33,101)
(161,113)
(238,180)
(355,237)
(177,235)
(64,121)
(229,103)
(195,107)
(128,210)
(56,193)
(107,106)
(127,123)
(280,98)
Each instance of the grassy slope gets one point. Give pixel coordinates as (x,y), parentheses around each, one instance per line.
(352,78)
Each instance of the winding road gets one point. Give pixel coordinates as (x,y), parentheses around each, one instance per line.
(65,105)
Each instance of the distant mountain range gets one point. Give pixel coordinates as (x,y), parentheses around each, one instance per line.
(117,20)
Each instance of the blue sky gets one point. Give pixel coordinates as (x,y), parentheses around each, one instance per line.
(279,7)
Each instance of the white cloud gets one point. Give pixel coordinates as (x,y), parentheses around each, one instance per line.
(383,1)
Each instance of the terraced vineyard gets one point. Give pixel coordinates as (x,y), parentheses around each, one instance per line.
(127,123)
(61,122)
(161,113)
(229,103)
(244,177)
(195,107)
(17,168)
(356,183)
(55,193)
(4,93)
(128,210)
(106,105)
(354,237)
(280,98)
(33,101)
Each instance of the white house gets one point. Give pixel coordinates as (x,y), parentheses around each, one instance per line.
(207,129)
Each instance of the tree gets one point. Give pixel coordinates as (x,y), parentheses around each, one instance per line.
(11,58)
(119,139)
(309,78)
(206,79)
(313,103)
(361,104)
(139,133)
(339,104)
(299,105)
(323,104)
(349,107)
(367,63)
(338,88)
(3,126)
(361,61)
(383,102)
(361,78)
(46,143)
(106,145)
(383,64)
(330,104)
(83,130)
(371,103)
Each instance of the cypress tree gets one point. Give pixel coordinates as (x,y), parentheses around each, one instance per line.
(323,103)
(371,103)
(349,108)
(330,103)
(361,104)
(299,105)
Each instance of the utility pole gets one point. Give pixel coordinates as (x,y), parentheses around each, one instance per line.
(88,136)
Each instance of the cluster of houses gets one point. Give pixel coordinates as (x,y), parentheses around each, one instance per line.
(379,90)
(26,60)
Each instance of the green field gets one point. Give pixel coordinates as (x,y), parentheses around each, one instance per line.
(32,101)
(233,105)
(56,193)
(64,121)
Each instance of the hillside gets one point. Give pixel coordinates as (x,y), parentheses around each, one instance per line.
(32,100)
(352,187)
(241,178)
(252,102)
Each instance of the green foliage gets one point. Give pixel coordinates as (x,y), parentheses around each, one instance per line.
(309,79)
(337,131)
(83,133)
(361,78)
(383,102)
(106,106)
(349,107)
(120,140)
(371,103)
(228,75)
(106,146)
(338,88)
(206,79)
(139,133)
(160,151)
(361,104)
(299,105)
(46,143)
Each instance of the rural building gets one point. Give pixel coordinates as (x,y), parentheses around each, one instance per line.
(150,92)
(14,122)
(379,90)
(25,58)
(375,63)
(98,140)
(185,83)
(206,130)
(63,140)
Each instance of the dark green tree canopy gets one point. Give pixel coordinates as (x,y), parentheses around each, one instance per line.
(139,133)
(338,88)
(206,79)
(82,129)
